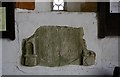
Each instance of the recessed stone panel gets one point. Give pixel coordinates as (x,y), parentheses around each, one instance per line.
(56,46)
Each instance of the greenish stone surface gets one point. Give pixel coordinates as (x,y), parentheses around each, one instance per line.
(2,18)
(56,46)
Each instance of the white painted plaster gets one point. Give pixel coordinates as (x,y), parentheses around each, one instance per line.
(0,57)
(43,6)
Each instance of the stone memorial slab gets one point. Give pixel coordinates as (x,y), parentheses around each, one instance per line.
(56,46)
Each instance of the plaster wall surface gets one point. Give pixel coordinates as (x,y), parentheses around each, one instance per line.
(43,6)
(27,22)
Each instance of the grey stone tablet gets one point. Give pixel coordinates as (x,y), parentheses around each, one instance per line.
(56,46)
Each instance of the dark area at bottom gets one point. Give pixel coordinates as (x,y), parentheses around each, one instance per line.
(57,76)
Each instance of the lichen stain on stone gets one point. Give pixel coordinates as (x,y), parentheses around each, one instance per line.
(56,46)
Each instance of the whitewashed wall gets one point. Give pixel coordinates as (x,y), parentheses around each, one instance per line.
(26,23)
